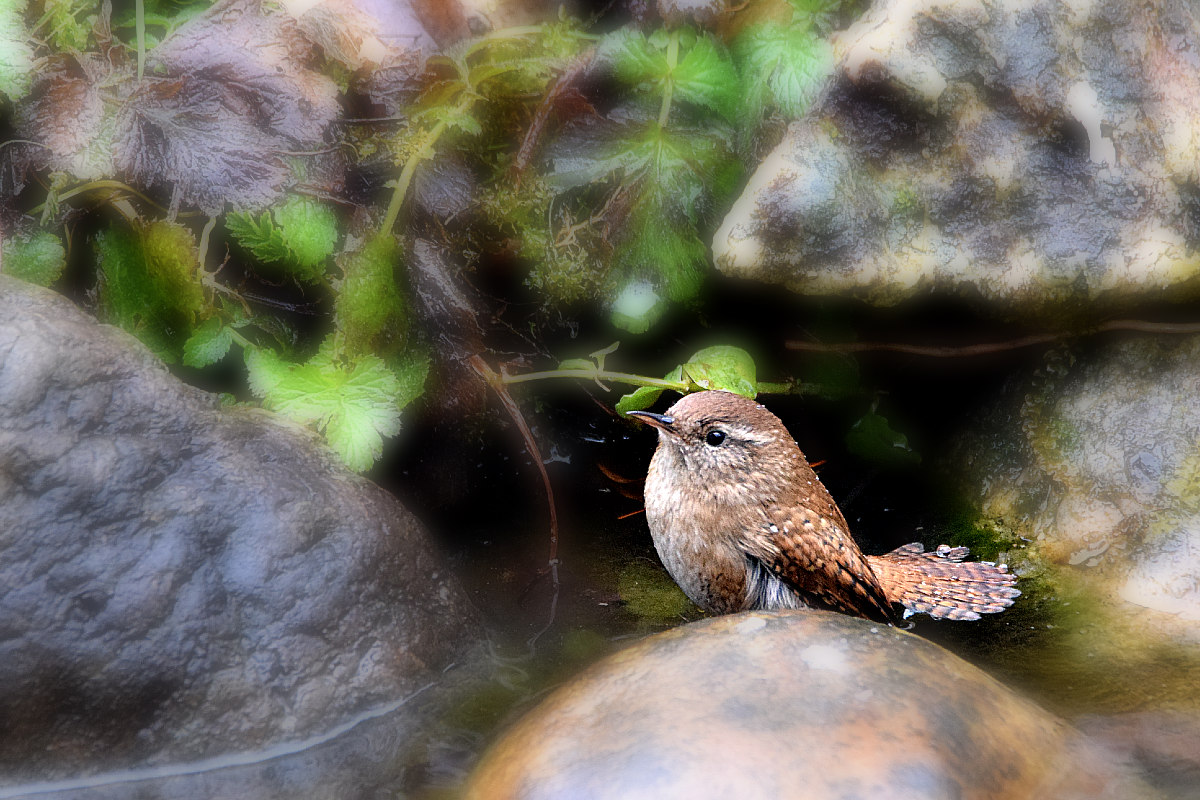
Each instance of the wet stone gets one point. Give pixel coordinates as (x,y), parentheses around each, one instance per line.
(1096,464)
(182,583)
(757,704)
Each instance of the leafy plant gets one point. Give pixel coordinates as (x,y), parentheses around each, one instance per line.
(223,133)
(354,402)
(719,367)
(150,284)
(299,233)
(260,235)
(16,54)
(668,165)
(68,23)
(781,65)
(208,344)
(39,258)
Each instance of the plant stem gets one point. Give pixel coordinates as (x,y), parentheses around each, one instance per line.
(94,185)
(669,90)
(140,26)
(202,248)
(406,174)
(242,340)
(599,375)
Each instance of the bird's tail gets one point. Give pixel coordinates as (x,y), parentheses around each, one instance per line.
(941,584)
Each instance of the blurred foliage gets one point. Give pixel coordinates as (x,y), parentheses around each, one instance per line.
(216,164)
(39,258)
(16,52)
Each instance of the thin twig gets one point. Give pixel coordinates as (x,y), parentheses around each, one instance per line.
(496,382)
(540,117)
(987,348)
(595,374)
(924,350)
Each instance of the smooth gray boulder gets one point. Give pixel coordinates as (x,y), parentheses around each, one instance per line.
(182,582)
(1030,156)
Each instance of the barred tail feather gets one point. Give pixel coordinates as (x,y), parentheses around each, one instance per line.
(941,584)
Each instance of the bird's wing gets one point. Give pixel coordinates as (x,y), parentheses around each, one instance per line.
(810,549)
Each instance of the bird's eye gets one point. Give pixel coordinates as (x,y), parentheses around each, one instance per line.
(715,438)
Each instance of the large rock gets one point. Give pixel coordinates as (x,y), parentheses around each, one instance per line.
(1096,463)
(789,704)
(1091,466)
(1032,154)
(182,582)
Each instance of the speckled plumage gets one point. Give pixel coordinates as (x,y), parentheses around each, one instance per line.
(746,524)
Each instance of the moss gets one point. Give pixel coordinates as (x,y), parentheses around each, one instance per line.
(1063,642)
(905,202)
(1183,487)
(986,538)
(559,251)
(651,595)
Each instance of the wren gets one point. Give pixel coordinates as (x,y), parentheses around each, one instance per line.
(742,522)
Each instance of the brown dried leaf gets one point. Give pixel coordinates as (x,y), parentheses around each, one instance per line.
(385,44)
(66,114)
(361,34)
(236,94)
(188,134)
(262,55)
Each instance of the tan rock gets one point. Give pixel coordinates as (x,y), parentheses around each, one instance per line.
(791,704)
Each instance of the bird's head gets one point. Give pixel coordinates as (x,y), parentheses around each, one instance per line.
(723,439)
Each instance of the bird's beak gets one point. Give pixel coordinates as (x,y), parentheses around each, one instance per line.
(660,421)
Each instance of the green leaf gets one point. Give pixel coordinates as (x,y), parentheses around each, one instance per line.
(791,61)
(39,258)
(873,438)
(16,54)
(645,396)
(265,370)
(819,14)
(706,77)
(663,251)
(635,60)
(309,230)
(354,403)
(639,399)
(300,234)
(723,367)
(69,24)
(457,118)
(208,344)
(259,236)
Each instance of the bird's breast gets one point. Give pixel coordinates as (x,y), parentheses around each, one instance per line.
(696,542)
